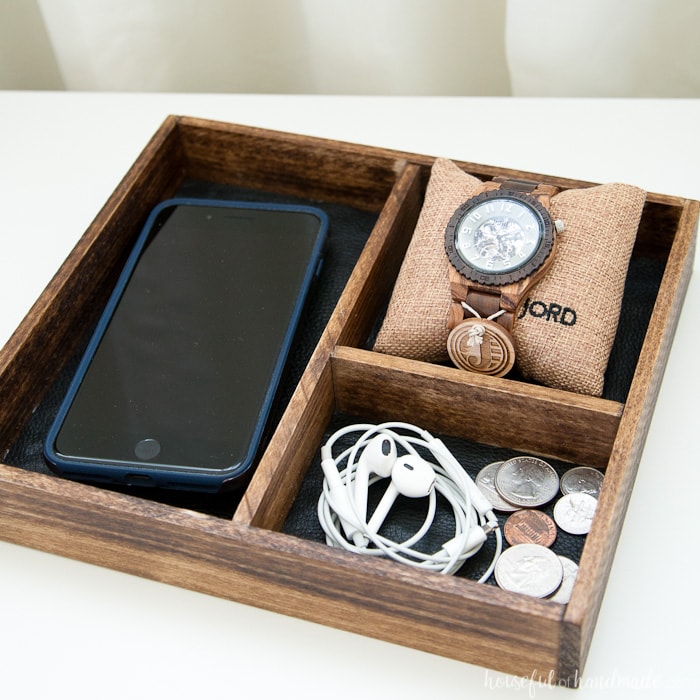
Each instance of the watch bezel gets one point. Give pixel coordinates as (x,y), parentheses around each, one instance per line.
(500,278)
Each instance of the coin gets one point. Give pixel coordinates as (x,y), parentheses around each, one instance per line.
(582,480)
(485,481)
(530,526)
(574,512)
(527,481)
(563,593)
(530,569)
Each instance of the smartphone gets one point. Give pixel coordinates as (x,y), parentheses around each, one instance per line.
(178,379)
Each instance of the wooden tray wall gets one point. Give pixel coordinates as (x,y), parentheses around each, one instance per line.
(248,559)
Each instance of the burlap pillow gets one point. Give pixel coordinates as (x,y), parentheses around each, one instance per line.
(567,323)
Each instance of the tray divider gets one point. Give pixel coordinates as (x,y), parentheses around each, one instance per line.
(282,467)
(487,410)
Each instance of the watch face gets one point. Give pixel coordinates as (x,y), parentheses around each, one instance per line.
(499,237)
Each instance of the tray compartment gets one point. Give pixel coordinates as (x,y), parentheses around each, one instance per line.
(183,148)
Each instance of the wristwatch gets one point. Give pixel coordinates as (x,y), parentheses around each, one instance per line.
(499,243)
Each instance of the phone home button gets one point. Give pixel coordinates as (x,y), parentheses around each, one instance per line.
(147,449)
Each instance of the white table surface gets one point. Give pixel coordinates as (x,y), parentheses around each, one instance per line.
(72,630)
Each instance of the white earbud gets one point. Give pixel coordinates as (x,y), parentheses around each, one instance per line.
(342,504)
(411,476)
(378,458)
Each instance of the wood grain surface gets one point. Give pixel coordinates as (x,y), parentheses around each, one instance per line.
(248,559)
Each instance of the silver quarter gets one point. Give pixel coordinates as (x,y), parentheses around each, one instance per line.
(563,593)
(582,480)
(486,483)
(530,569)
(527,482)
(574,512)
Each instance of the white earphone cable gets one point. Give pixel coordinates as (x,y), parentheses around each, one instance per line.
(347,528)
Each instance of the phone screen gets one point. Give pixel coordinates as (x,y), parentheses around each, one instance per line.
(186,359)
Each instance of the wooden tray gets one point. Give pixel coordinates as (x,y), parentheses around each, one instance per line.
(250,558)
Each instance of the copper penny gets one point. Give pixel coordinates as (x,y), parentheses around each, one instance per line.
(483,346)
(530,527)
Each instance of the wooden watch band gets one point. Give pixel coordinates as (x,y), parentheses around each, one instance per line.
(483,300)
(542,191)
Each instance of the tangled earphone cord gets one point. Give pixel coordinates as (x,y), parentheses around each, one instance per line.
(339,514)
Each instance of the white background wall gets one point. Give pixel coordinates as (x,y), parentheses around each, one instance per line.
(408,47)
